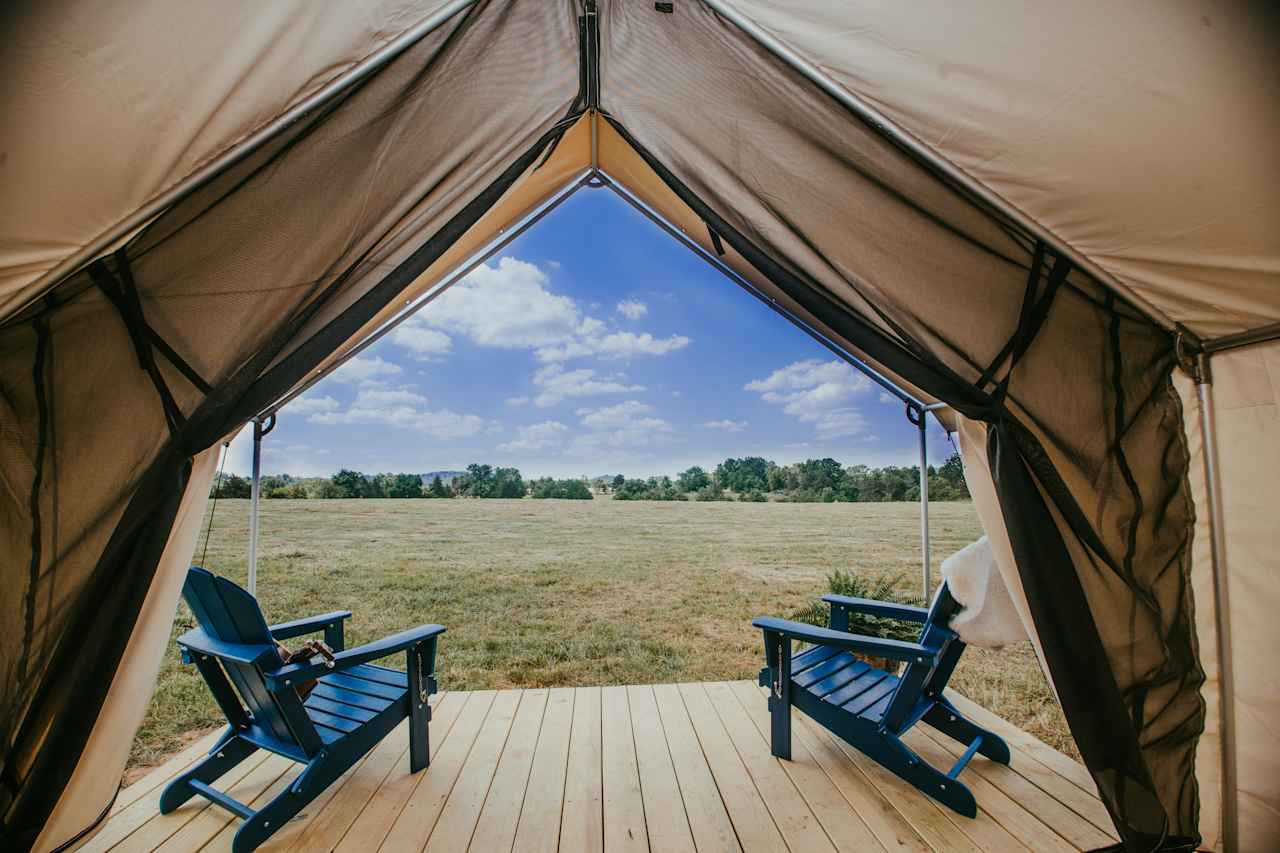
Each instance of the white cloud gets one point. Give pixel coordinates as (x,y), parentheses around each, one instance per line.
(388,397)
(305,405)
(510,306)
(362,369)
(632,309)
(886,397)
(402,408)
(517,401)
(614,416)
(538,436)
(726,425)
(613,345)
(817,392)
(423,342)
(558,384)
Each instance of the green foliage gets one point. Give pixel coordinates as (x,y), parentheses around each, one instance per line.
(693,479)
(437,489)
(743,475)
(876,586)
(549,487)
(755,496)
(653,489)
(230,486)
(485,481)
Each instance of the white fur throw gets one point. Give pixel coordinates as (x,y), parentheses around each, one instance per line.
(989,617)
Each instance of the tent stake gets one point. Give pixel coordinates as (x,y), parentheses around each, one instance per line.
(1222,607)
(259,431)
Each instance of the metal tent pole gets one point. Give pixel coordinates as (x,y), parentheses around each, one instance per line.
(1222,606)
(924,502)
(259,431)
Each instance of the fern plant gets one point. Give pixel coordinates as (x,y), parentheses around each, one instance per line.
(878,586)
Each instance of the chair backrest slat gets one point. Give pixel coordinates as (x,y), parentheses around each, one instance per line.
(921,678)
(229,613)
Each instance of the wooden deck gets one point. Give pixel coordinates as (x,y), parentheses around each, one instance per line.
(665,767)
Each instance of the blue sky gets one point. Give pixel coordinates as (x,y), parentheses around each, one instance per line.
(592,344)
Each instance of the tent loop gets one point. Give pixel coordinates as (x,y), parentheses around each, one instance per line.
(1190,357)
(1031,317)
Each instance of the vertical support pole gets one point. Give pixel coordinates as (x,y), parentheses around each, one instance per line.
(777,649)
(924,505)
(261,427)
(1222,606)
(254,496)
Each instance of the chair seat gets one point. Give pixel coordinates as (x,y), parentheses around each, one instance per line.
(838,678)
(343,701)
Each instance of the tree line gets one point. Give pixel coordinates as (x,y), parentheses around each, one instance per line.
(750,478)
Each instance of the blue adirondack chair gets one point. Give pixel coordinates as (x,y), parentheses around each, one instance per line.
(352,707)
(868,707)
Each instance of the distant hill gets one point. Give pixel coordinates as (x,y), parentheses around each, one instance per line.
(446,477)
(603,478)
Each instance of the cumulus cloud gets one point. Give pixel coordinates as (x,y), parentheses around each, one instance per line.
(817,392)
(511,306)
(425,343)
(726,425)
(364,369)
(517,401)
(306,405)
(538,436)
(558,384)
(405,409)
(614,416)
(886,397)
(632,309)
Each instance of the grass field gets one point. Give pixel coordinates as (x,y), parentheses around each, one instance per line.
(542,593)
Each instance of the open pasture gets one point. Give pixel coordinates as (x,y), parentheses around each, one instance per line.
(539,593)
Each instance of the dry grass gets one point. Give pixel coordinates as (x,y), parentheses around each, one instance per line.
(538,593)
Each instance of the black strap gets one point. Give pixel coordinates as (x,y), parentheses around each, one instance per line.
(715,240)
(122,292)
(1031,318)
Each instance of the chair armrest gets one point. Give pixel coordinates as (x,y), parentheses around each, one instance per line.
(884,609)
(309,625)
(891,649)
(197,641)
(285,675)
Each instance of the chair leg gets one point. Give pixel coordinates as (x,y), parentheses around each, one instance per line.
(777,651)
(229,752)
(420,663)
(944,717)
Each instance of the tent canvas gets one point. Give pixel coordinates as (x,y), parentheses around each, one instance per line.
(1028,216)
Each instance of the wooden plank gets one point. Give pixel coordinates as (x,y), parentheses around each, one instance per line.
(1076,820)
(925,816)
(159,776)
(708,820)
(751,818)
(799,826)
(538,830)
(371,825)
(457,822)
(992,802)
(417,818)
(890,827)
(624,827)
(285,837)
(581,822)
(146,810)
(1063,765)
(665,818)
(496,828)
(252,791)
(329,827)
(843,825)
(221,843)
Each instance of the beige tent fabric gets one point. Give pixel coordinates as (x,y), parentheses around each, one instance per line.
(94,783)
(1142,134)
(1246,389)
(109,105)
